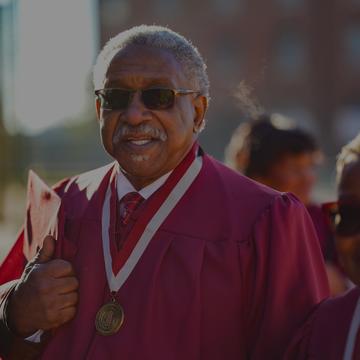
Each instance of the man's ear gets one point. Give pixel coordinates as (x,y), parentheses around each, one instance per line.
(97,107)
(200,107)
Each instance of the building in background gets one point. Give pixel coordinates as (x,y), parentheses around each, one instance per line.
(301,57)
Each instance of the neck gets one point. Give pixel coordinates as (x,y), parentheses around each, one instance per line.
(139,182)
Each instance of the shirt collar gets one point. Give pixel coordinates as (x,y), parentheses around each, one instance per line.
(124,186)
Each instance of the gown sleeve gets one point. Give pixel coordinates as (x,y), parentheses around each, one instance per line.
(288,276)
(13,265)
(11,270)
(326,332)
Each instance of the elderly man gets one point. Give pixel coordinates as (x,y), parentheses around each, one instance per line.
(166,253)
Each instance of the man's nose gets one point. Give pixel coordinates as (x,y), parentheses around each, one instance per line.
(136,112)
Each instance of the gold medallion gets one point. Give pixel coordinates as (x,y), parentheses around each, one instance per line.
(109,318)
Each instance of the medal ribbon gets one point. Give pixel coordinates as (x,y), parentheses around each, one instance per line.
(120,265)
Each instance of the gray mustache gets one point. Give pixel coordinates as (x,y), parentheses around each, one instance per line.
(143,129)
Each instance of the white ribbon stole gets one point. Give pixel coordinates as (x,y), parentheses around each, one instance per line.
(116,281)
(352,335)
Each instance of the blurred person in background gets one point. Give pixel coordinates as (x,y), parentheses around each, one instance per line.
(199,262)
(271,150)
(333,332)
(274,152)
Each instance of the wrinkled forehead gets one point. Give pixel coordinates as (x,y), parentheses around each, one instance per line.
(141,64)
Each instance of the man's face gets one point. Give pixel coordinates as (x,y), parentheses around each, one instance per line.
(149,143)
(348,234)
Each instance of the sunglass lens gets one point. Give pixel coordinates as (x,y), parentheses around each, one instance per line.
(349,220)
(158,99)
(115,99)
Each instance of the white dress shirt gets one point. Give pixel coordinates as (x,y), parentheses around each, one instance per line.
(124,186)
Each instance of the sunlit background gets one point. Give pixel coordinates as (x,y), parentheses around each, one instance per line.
(300,57)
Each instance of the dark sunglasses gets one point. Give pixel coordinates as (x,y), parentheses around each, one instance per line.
(153,98)
(344,218)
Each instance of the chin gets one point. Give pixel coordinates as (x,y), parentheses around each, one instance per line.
(140,158)
(139,169)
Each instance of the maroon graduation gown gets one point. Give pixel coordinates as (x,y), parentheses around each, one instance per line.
(324,232)
(233,271)
(325,334)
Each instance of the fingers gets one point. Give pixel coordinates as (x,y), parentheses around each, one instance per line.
(58,318)
(46,297)
(68,300)
(67,285)
(56,277)
(60,268)
(59,310)
(67,314)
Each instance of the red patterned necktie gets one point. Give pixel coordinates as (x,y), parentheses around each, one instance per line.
(128,204)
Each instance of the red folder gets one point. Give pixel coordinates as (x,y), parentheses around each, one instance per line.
(41,219)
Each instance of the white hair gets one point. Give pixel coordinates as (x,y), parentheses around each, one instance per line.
(349,153)
(158,37)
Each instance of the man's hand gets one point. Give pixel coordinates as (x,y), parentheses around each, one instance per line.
(46,295)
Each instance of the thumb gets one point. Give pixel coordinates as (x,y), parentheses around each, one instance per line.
(47,251)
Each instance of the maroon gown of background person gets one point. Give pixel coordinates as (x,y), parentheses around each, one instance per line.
(232,273)
(325,334)
(324,232)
